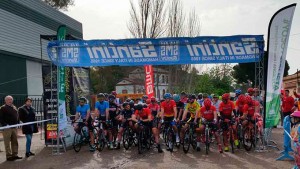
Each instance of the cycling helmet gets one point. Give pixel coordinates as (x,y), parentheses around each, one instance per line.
(106,95)
(114,93)
(238,91)
(242,98)
(207,103)
(125,104)
(82,99)
(225,96)
(250,90)
(205,95)
(167,96)
(139,107)
(111,97)
(248,99)
(200,95)
(153,99)
(145,105)
(176,97)
(131,103)
(183,93)
(296,114)
(145,97)
(215,96)
(128,100)
(295,117)
(192,96)
(100,95)
(148,101)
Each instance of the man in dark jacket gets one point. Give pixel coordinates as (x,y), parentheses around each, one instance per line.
(27,114)
(9,116)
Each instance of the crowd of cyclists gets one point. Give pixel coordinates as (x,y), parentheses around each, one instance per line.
(178,112)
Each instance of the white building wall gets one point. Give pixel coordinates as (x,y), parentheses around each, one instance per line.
(34,78)
(129,88)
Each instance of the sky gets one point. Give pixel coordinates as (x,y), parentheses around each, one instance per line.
(107,19)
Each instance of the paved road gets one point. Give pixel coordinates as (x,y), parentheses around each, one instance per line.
(130,159)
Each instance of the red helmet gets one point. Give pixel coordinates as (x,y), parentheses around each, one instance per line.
(148,101)
(153,99)
(207,103)
(255,89)
(250,90)
(225,96)
(248,100)
(242,98)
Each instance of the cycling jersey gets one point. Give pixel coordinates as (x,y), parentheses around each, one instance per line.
(127,113)
(113,107)
(226,109)
(250,108)
(287,104)
(102,107)
(168,108)
(180,106)
(239,106)
(216,104)
(144,114)
(83,110)
(154,108)
(193,108)
(208,114)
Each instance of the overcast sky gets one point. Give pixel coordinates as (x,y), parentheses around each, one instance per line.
(107,19)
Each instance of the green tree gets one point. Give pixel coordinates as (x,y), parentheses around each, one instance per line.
(59,4)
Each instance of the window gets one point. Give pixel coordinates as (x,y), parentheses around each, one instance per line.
(124,91)
(163,78)
(167,79)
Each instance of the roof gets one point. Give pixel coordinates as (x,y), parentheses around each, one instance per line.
(155,70)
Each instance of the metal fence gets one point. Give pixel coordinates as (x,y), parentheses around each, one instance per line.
(37,103)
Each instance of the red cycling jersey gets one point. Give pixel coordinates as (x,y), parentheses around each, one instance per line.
(144,114)
(287,104)
(239,106)
(250,108)
(168,108)
(154,108)
(226,109)
(208,114)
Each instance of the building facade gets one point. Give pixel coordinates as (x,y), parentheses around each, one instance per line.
(135,83)
(291,82)
(22,51)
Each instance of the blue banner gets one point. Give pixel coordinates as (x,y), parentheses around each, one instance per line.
(163,51)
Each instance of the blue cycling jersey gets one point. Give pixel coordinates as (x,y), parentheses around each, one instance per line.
(102,107)
(83,110)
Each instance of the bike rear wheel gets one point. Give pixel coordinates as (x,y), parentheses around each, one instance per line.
(207,142)
(240,136)
(77,142)
(170,139)
(101,142)
(140,142)
(231,140)
(247,139)
(126,139)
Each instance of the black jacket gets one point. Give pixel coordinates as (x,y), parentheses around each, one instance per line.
(28,115)
(8,115)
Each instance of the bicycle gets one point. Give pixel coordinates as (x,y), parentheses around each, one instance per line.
(249,136)
(100,139)
(207,134)
(128,137)
(230,132)
(144,138)
(169,136)
(189,137)
(81,137)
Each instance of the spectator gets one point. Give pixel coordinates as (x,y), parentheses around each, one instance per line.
(27,114)
(9,116)
(287,104)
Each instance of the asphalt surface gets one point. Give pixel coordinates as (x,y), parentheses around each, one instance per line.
(115,159)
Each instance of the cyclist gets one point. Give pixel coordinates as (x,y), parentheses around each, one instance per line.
(117,100)
(239,105)
(169,113)
(102,111)
(143,116)
(237,93)
(250,91)
(179,105)
(113,116)
(249,111)
(144,98)
(216,102)
(183,97)
(193,107)
(83,112)
(227,112)
(208,113)
(125,119)
(200,98)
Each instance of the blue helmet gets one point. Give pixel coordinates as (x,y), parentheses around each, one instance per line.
(238,91)
(167,96)
(176,97)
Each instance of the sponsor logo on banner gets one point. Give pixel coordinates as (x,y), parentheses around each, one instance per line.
(52,127)
(51,134)
(169,50)
(149,84)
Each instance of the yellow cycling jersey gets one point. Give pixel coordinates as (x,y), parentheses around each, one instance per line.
(193,108)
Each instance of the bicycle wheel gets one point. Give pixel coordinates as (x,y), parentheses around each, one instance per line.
(170,139)
(231,139)
(147,138)
(247,139)
(126,139)
(207,142)
(140,142)
(186,141)
(101,142)
(77,142)
(240,136)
